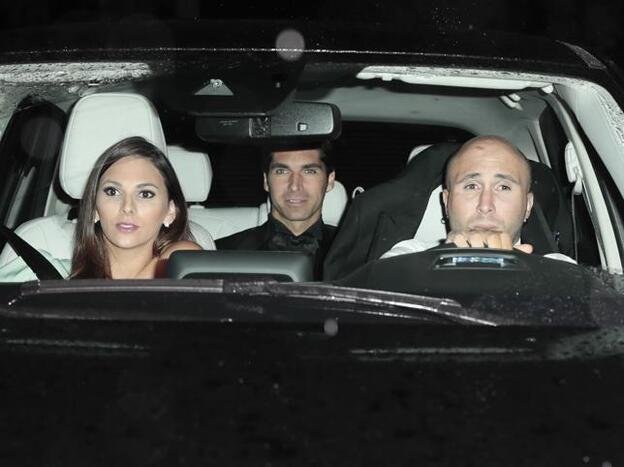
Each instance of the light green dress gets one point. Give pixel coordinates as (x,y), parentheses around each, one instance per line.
(17,270)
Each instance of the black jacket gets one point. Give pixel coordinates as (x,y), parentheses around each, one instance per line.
(258,238)
(386,214)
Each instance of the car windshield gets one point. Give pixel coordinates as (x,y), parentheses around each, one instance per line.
(216,97)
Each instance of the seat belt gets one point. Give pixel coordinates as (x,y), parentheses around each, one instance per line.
(43,269)
(551,237)
(575,175)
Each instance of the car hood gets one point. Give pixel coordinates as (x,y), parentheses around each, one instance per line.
(165,393)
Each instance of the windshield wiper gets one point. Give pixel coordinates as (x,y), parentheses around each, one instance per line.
(269,300)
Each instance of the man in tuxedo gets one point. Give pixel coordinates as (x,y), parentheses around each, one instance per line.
(296,181)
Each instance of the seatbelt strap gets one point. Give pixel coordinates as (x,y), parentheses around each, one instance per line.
(574,226)
(550,236)
(43,269)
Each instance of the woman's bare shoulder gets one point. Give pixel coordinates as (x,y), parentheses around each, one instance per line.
(180,245)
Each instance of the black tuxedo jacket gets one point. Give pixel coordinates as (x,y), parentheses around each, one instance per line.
(257,238)
(386,214)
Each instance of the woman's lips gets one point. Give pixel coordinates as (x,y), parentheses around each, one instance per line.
(126,227)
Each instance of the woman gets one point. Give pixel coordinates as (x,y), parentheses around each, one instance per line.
(132,215)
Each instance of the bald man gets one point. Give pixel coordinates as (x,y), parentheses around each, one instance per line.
(487,198)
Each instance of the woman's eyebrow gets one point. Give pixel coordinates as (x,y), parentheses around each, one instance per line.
(147,184)
(140,185)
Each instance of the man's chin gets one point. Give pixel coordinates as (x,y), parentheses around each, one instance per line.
(295,216)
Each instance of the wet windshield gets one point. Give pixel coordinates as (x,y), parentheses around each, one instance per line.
(357,180)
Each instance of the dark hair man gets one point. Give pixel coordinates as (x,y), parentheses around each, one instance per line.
(296,180)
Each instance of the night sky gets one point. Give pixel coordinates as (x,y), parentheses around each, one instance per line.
(595,25)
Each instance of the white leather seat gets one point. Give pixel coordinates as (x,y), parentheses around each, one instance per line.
(96,122)
(54,234)
(335,204)
(195,168)
(221,222)
(194,172)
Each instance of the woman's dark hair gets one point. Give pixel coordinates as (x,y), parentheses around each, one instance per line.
(90,258)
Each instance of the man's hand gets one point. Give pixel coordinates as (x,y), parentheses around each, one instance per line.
(486,239)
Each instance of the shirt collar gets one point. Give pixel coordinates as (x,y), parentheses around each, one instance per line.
(315,230)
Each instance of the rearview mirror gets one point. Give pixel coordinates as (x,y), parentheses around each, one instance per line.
(292,122)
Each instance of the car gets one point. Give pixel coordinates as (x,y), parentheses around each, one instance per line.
(448,356)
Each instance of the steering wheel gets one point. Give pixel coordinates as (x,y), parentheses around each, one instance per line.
(499,281)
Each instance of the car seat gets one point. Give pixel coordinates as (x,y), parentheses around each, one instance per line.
(96,122)
(222,222)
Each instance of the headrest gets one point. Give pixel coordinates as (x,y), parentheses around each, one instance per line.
(334,204)
(431,230)
(417,150)
(194,172)
(97,122)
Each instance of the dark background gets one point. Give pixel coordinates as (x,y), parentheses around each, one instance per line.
(596,25)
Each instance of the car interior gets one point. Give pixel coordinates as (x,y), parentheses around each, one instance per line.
(390,117)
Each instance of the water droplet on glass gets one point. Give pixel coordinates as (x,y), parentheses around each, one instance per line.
(290,44)
(330,326)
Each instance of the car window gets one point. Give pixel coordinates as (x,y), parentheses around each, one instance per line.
(391,116)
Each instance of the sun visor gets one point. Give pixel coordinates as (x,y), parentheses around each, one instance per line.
(476,79)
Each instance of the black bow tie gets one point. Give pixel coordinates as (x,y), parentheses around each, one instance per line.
(288,242)
(283,239)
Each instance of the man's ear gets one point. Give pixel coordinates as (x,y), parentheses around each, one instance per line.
(529,206)
(445,201)
(331,178)
(265,182)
